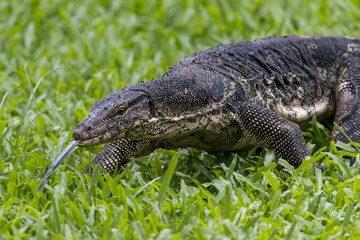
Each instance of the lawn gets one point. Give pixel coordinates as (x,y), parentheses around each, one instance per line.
(58,57)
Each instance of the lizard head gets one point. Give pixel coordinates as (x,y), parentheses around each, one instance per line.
(115,116)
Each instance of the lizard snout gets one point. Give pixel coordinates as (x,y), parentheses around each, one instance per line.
(91,138)
(83,131)
(77,134)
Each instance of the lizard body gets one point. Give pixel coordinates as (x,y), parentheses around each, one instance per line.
(230,96)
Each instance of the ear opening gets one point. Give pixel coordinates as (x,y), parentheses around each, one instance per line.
(152,108)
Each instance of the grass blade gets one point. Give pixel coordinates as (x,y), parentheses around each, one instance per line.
(167,178)
(348,214)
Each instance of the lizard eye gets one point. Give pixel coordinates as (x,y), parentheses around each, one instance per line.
(120,110)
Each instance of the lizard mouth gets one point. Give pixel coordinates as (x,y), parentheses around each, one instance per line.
(88,139)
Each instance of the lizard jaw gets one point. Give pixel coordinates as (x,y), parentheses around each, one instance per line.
(88,139)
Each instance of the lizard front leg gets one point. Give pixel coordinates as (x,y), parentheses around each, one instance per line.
(348,105)
(263,127)
(117,153)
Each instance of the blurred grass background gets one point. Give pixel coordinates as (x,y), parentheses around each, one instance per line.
(58,57)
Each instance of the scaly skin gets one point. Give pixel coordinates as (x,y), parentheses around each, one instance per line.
(230,96)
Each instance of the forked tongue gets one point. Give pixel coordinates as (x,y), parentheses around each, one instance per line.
(57,162)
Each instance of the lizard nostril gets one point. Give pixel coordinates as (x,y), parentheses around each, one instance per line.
(89,128)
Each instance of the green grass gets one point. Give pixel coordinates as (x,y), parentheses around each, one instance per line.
(57,58)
